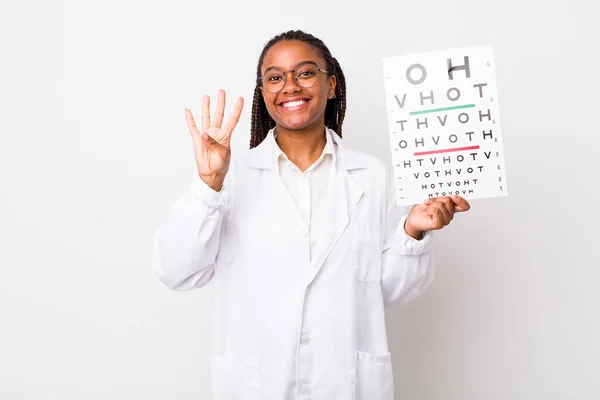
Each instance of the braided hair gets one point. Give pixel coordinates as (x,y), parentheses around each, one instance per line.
(335,109)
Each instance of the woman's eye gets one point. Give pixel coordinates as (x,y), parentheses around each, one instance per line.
(306,73)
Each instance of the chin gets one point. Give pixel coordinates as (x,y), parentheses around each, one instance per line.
(294,124)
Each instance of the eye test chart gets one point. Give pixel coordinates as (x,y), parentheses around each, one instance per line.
(444,125)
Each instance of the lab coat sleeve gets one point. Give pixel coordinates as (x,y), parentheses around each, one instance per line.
(187,242)
(407,263)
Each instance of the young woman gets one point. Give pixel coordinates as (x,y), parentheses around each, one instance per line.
(302,239)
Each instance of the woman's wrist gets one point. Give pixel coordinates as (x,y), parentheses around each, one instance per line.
(414,233)
(214,181)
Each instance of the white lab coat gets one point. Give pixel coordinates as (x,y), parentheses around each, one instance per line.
(286,327)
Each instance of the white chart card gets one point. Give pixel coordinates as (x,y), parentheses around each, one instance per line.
(444,125)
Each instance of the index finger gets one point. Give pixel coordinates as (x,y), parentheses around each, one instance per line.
(461,204)
(235,116)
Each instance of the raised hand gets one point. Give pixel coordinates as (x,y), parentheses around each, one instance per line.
(212,145)
(433,214)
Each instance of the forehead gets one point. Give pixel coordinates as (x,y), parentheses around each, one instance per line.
(286,54)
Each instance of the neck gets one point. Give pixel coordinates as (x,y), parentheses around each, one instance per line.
(302,147)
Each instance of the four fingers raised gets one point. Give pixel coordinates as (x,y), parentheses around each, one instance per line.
(217,121)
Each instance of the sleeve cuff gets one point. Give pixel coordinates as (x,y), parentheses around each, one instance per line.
(203,192)
(408,245)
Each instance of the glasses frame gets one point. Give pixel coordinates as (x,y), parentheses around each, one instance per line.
(260,78)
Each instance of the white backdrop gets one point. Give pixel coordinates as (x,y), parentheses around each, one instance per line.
(94,150)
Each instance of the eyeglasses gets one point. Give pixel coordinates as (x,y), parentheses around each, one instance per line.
(305,76)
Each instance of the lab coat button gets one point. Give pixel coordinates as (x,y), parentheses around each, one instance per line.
(305,392)
(305,340)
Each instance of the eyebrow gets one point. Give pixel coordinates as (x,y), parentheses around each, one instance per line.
(301,63)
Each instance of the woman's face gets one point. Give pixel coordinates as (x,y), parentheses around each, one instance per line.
(296,107)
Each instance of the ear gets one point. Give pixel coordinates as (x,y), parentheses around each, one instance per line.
(332,86)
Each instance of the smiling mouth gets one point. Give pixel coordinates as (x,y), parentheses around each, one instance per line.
(295,103)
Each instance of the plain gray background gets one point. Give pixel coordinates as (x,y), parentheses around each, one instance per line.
(94,151)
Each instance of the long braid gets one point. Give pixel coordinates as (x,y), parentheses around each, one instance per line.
(261,120)
(336,110)
(336,107)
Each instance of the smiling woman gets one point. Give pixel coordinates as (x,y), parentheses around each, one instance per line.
(302,239)
(301,56)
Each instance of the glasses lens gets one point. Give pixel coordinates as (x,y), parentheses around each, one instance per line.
(306,75)
(273,81)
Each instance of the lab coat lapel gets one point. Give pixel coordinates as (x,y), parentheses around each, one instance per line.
(343,196)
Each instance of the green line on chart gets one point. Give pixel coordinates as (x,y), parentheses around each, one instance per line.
(442,109)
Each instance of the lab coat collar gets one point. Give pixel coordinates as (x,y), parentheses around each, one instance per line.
(329,149)
(261,157)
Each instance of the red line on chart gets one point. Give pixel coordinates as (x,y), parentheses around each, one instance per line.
(424,153)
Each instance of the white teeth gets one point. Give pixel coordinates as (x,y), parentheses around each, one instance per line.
(294,103)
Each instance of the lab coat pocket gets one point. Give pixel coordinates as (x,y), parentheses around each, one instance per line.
(234,379)
(373,378)
(366,253)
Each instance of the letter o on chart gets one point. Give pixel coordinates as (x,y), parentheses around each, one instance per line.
(409,71)
(453,98)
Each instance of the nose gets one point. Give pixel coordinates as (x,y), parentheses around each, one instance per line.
(290,85)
